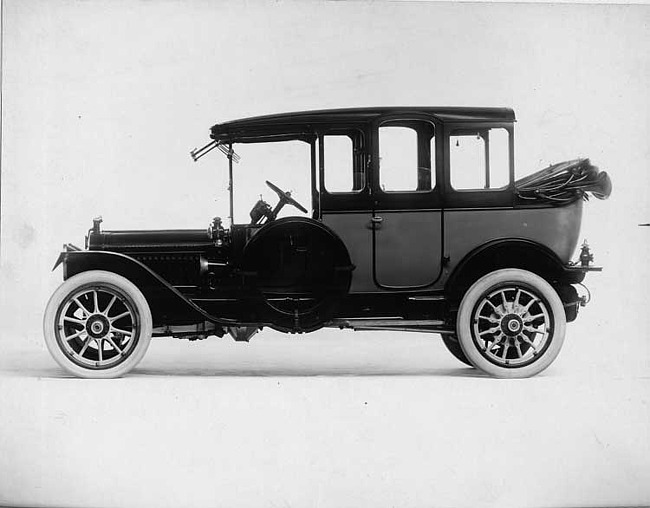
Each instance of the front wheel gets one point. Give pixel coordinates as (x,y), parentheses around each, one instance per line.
(511,324)
(97,324)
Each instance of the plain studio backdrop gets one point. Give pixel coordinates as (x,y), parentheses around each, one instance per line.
(102,102)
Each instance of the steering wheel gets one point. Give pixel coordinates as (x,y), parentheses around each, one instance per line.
(285,197)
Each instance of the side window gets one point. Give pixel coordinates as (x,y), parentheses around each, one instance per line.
(344,171)
(406,157)
(479,159)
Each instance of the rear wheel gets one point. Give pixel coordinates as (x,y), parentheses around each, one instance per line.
(453,346)
(511,324)
(97,325)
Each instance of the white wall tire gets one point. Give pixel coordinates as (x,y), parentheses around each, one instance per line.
(511,324)
(97,324)
(453,346)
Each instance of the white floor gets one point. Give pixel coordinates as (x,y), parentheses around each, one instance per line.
(330,419)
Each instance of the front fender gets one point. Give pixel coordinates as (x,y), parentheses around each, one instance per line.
(168,306)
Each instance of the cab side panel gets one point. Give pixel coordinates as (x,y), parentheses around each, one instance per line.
(556,228)
(355,230)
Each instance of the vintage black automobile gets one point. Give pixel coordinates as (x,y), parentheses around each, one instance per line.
(415,222)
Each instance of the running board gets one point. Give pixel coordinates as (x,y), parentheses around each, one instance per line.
(392,324)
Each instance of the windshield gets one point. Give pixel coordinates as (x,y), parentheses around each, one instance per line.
(287,164)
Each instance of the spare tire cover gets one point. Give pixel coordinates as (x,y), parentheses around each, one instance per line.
(301,269)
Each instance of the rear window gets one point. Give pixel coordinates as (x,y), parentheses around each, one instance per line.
(479,159)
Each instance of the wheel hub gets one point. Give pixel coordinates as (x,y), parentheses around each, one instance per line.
(511,324)
(97,326)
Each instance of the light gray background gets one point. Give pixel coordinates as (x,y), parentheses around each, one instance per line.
(102,102)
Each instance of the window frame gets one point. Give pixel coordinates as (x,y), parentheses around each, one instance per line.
(353,200)
(423,148)
(358,158)
(423,199)
(469,131)
(500,196)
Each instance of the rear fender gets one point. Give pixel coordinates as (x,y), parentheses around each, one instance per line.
(168,305)
(510,253)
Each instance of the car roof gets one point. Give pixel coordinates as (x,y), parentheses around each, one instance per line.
(300,124)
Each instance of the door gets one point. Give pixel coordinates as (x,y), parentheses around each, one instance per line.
(407,216)
(345,198)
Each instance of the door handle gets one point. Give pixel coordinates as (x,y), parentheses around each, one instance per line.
(375,222)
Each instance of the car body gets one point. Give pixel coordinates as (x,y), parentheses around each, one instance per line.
(415,222)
